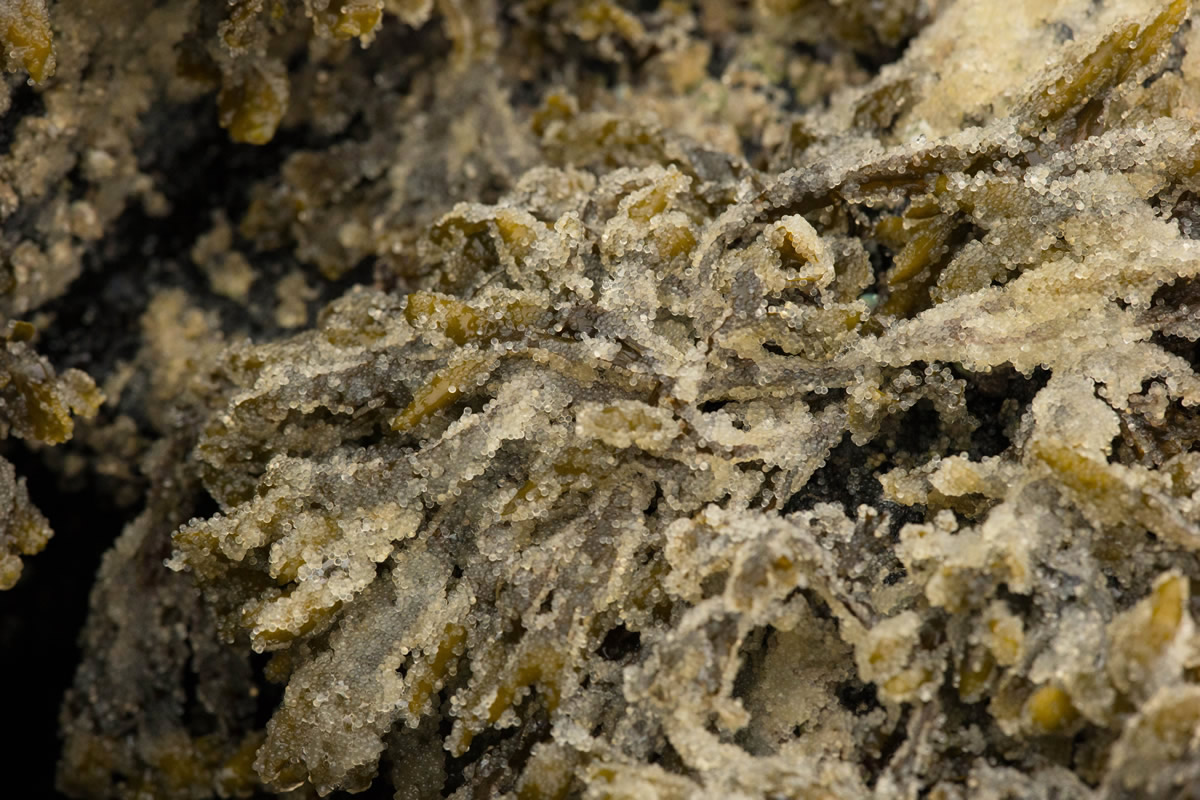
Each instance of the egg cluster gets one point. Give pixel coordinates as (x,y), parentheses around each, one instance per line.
(732,412)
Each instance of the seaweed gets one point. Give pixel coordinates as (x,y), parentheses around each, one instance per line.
(653,399)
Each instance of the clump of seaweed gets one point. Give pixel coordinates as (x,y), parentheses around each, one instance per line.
(27,37)
(35,405)
(689,443)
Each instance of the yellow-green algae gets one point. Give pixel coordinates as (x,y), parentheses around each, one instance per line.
(692,439)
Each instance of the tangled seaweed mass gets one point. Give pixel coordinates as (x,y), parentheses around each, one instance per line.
(789,399)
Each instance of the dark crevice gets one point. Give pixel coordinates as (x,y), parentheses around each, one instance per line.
(270,695)
(996,399)
(41,617)
(620,644)
(25,102)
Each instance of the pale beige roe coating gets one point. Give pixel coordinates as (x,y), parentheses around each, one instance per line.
(547,512)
